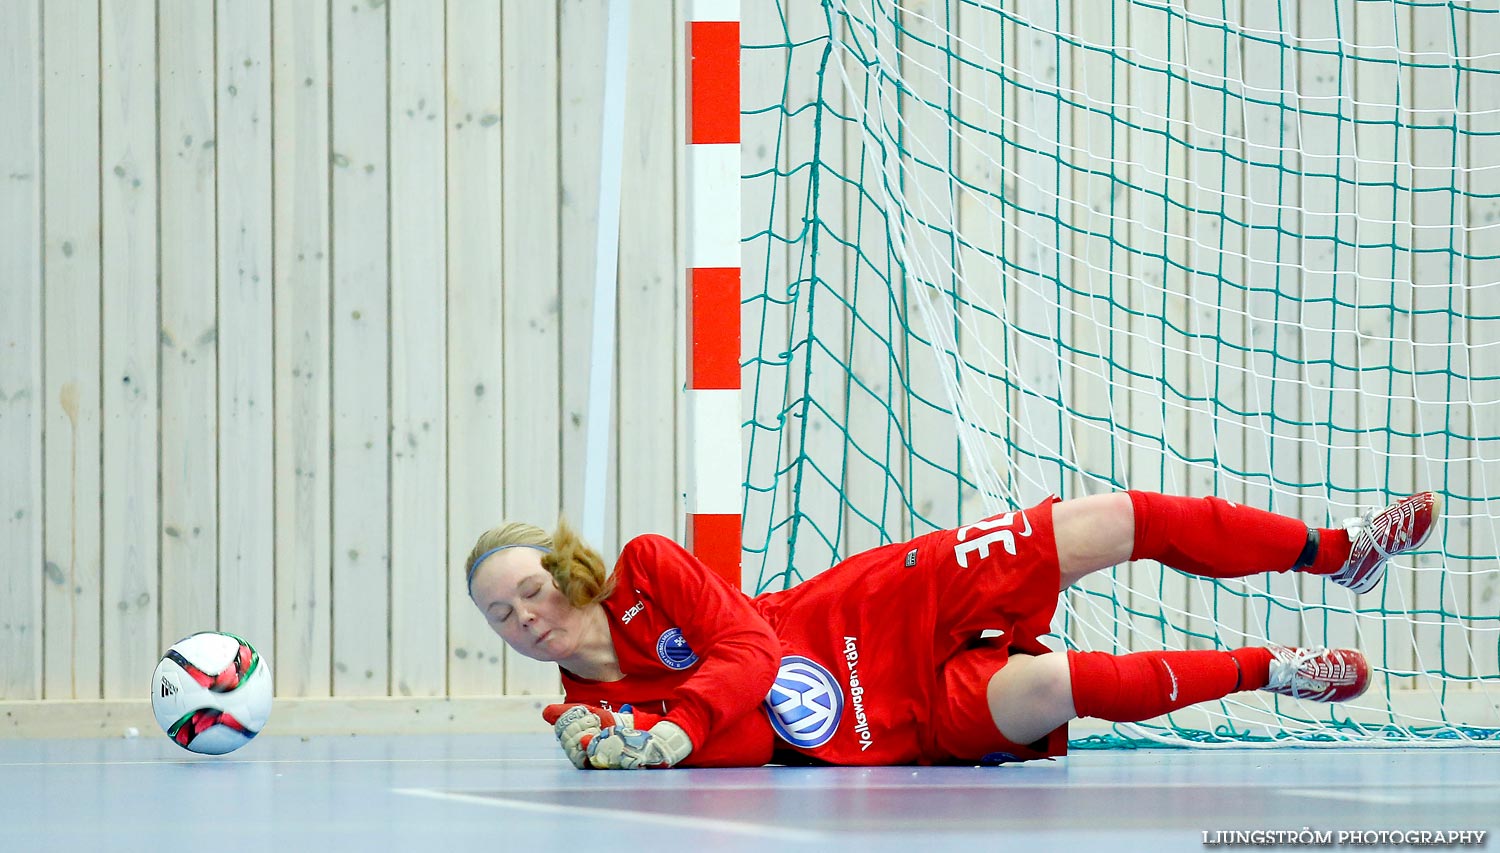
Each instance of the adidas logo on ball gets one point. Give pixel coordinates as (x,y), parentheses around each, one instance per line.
(167,688)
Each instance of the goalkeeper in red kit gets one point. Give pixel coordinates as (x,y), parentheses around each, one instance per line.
(917,652)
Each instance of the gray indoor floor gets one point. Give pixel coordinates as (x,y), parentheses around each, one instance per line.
(515,792)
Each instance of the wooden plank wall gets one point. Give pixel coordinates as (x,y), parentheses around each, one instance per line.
(296,302)
(21,403)
(71,651)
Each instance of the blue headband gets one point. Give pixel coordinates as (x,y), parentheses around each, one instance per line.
(475,565)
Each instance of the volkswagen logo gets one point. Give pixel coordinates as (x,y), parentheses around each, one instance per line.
(805,703)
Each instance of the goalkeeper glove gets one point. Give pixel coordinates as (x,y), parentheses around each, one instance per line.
(576,725)
(621,747)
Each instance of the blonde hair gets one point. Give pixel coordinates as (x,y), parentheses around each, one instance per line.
(577,570)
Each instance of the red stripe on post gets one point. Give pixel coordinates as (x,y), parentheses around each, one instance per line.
(713,104)
(714,328)
(715,539)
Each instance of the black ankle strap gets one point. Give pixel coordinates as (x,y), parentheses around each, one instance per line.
(1309,551)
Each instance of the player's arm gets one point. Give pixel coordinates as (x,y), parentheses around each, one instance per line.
(711,719)
(738,651)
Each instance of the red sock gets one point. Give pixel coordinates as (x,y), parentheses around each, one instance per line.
(1213,538)
(1141,685)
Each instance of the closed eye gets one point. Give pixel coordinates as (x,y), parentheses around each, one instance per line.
(499,612)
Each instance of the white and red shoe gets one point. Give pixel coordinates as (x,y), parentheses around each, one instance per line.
(1318,674)
(1382,534)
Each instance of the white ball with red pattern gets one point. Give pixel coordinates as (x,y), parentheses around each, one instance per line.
(211,693)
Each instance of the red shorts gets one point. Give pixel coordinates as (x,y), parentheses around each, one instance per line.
(962,728)
(897,631)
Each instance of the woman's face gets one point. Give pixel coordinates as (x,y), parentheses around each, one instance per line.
(525,607)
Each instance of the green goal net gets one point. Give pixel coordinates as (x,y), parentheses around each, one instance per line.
(996,250)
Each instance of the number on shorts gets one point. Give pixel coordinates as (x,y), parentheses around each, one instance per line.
(999,532)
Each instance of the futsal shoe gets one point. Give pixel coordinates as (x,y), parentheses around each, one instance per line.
(1382,534)
(1318,674)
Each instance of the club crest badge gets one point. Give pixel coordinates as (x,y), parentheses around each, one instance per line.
(672,649)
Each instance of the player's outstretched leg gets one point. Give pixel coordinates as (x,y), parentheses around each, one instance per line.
(1031,696)
(1212,537)
(1208,537)
(1382,534)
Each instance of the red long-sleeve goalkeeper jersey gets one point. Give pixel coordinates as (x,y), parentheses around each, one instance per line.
(693,650)
(843,668)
